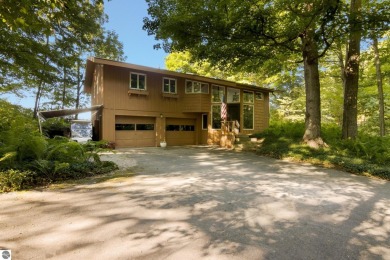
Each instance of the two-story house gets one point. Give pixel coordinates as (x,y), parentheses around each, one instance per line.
(142,106)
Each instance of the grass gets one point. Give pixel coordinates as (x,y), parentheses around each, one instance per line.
(367,155)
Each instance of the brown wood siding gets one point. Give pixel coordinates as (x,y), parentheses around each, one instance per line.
(111,86)
(108,125)
(197,103)
(262,113)
(117,82)
(97,86)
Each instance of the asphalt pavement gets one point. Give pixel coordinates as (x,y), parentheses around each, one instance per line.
(202,203)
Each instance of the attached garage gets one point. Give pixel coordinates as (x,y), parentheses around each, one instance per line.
(133,131)
(180,131)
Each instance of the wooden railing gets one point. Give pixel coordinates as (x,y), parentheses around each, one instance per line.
(231,127)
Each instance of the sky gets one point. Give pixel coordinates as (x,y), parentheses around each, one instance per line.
(126,19)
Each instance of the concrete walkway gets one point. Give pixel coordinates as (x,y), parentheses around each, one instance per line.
(203,203)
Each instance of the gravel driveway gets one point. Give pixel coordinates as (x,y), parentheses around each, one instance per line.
(203,203)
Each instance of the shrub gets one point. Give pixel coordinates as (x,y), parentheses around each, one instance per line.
(29,159)
(49,170)
(56,127)
(99,145)
(16,180)
(8,160)
(286,129)
(67,151)
(367,154)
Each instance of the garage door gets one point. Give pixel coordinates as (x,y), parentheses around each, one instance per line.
(180,131)
(135,131)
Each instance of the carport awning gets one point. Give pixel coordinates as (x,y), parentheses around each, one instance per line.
(66,112)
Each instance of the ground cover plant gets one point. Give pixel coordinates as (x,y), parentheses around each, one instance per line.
(29,159)
(366,155)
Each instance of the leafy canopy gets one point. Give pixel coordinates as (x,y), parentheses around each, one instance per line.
(237,33)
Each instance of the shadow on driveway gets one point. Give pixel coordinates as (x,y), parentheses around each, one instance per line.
(204,203)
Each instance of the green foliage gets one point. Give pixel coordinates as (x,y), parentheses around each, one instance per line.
(55,126)
(44,45)
(47,169)
(66,151)
(8,159)
(286,129)
(19,134)
(28,159)
(101,145)
(238,32)
(15,180)
(364,155)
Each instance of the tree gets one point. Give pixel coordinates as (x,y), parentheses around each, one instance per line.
(371,100)
(247,34)
(287,77)
(378,70)
(378,31)
(351,71)
(44,45)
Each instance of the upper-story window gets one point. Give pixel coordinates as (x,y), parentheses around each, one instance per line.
(196,87)
(217,93)
(137,81)
(248,110)
(248,97)
(259,96)
(233,95)
(169,86)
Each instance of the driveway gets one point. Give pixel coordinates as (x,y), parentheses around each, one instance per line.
(203,203)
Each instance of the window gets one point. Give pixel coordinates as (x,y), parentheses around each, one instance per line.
(169,85)
(204,88)
(196,87)
(259,96)
(204,121)
(137,81)
(216,116)
(248,97)
(186,128)
(217,93)
(132,127)
(172,127)
(248,116)
(124,127)
(233,95)
(145,127)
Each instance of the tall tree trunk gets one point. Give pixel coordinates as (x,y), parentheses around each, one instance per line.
(341,61)
(64,89)
(79,85)
(40,87)
(382,130)
(37,99)
(351,72)
(312,135)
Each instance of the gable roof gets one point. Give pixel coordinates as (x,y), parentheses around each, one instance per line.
(92,61)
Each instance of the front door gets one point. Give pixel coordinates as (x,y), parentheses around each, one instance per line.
(233,112)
